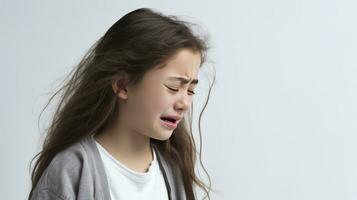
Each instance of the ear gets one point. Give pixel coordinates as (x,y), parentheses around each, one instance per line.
(119,86)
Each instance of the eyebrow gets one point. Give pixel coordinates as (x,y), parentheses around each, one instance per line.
(183,79)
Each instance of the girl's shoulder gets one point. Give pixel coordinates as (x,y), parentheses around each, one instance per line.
(69,169)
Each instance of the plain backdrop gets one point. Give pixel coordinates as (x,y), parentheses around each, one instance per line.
(281,120)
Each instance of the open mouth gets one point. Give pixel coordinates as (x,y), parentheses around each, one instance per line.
(170,120)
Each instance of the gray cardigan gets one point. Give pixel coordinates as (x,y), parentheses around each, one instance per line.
(78,173)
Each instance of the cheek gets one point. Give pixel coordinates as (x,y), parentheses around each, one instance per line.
(161,101)
(156,100)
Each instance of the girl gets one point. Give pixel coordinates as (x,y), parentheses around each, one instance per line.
(122,128)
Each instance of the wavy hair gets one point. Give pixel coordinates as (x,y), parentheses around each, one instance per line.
(137,42)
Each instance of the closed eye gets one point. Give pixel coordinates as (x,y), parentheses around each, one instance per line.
(172,89)
(176,90)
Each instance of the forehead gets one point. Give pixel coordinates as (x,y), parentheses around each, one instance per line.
(185,63)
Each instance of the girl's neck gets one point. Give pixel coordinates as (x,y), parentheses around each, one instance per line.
(130,148)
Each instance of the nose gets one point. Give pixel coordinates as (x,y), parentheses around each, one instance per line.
(183,103)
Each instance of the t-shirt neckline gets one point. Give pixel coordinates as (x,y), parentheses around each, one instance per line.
(135,175)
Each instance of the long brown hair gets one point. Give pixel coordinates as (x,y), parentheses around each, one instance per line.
(135,44)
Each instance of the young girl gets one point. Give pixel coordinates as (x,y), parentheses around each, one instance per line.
(122,129)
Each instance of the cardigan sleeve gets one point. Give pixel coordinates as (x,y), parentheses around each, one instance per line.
(47,194)
(62,178)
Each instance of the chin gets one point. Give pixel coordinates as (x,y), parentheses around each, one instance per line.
(163,137)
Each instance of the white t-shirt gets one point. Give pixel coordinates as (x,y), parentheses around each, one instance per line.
(127,184)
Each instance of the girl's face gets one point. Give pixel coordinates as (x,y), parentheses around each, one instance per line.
(162,93)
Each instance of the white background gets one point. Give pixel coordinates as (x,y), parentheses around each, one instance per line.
(281,121)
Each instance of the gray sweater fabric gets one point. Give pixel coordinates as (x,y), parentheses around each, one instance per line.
(78,173)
